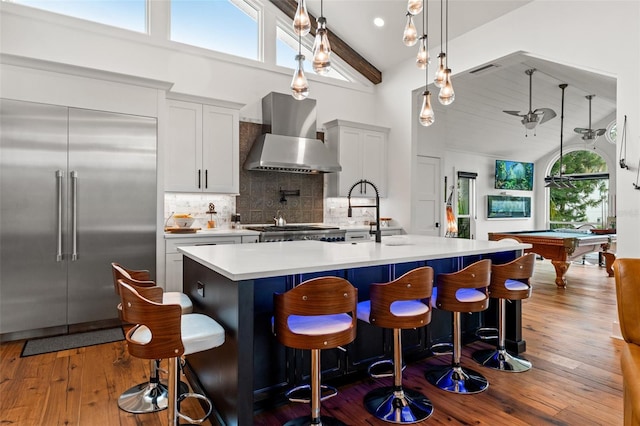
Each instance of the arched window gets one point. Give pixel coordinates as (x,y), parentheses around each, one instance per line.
(588,200)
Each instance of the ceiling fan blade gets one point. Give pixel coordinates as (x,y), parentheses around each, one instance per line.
(600,132)
(516,113)
(547,114)
(581,130)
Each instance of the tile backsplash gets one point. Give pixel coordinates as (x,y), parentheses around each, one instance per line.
(198,204)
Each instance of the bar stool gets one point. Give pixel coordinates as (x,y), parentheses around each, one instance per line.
(400,304)
(162,331)
(509,281)
(150,396)
(141,278)
(462,291)
(319,313)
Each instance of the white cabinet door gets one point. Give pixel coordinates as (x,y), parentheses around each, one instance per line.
(220,150)
(183,152)
(361,150)
(374,164)
(173,258)
(350,159)
(202,151)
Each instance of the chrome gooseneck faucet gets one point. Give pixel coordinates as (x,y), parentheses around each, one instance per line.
(377,206)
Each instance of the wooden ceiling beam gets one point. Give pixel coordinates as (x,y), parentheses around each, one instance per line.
(338,46)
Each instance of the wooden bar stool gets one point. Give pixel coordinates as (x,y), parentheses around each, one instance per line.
(462,291)
(162,331)
(317,314)
(400,304)
(150,396)
(509,281)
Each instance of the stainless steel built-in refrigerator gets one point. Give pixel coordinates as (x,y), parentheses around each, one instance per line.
(77,192)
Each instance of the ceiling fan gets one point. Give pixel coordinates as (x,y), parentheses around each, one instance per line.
(532,118)
(590,135)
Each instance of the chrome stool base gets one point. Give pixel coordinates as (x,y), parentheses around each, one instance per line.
(147,397)
(500,359)
(144,398)
(306,421)
(457,379)
(401,406)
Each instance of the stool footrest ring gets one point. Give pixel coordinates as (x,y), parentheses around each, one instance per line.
(302,393)
(197,396)
(487,333)
(381,369)
(445,348)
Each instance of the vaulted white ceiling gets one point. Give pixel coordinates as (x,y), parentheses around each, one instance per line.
(476,115)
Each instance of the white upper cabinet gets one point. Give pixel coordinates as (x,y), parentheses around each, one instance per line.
(202,150)
(361,150)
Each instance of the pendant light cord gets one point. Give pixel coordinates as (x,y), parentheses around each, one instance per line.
(441,25)
(446,40)
(562,86)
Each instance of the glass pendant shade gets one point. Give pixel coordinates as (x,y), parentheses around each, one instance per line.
(410,37)
(414,7)
(440,76)
(427,117)
(299,84)
(301,21)
(422,59)
(321,49)
(447,95)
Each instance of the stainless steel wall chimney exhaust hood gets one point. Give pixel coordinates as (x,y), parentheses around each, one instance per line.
(292,145)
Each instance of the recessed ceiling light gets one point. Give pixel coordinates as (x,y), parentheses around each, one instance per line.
(378,22)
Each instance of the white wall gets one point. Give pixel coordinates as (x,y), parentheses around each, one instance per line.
(559,31)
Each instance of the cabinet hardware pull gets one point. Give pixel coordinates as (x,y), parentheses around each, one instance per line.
(199,178)
(206,178)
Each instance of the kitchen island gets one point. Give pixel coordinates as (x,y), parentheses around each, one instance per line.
(234,284)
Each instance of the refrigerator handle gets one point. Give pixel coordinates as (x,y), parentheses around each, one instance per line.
(59,176)
(74,216)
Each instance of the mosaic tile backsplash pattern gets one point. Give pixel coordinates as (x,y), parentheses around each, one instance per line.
(260,198)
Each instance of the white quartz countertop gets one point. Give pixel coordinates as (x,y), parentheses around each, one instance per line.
(249,261)
(215,232)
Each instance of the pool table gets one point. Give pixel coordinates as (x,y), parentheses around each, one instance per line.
(562,246)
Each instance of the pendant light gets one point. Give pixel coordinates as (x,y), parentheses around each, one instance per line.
(299,84)
(414,7)
(410,36)
(440,76)
(426,117)
(446,95)
(301,21)
(422,59)
(321,46)
(560,181)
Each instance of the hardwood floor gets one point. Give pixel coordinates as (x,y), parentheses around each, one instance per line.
(575,378)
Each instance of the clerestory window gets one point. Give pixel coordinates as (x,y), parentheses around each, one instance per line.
(127,14)
(228,26)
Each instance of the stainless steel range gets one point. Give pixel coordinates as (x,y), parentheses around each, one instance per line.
(299,232)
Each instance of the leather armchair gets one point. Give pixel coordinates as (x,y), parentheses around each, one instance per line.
(627,276)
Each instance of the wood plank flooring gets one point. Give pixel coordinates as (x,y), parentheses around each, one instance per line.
(575,380)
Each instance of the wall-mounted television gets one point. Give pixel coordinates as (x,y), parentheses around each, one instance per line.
(507,207)
(514,175)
